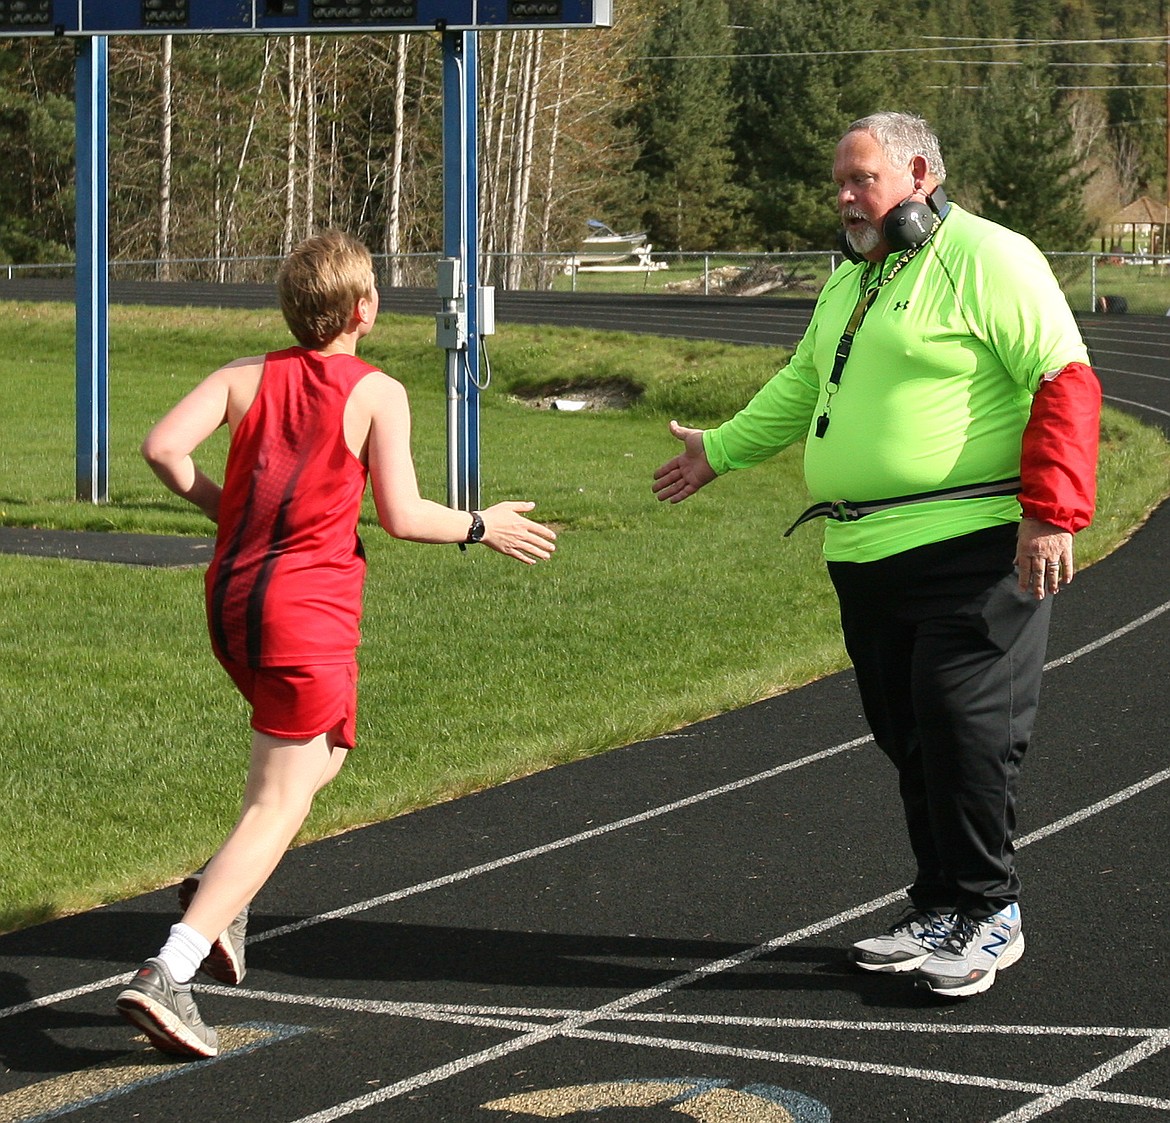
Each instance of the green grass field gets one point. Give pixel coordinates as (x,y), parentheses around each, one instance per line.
(124,745)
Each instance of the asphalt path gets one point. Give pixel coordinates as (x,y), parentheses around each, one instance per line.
(658,933)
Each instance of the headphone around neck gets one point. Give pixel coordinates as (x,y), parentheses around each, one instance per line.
(908,226)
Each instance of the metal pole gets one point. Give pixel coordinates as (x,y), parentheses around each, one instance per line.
(92,294)
(461,243)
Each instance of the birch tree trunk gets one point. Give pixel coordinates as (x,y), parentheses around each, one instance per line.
(217,182)
(489,168)
(394,207)
(526,102)
(334,134)
(499,179)
(164,168)
(246,147)
(294,112)
(310,86)
(230,225)
(550,171)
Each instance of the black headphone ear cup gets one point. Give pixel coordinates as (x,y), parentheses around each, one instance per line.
(908,226)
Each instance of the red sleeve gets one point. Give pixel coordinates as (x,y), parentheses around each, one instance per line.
(1058,461)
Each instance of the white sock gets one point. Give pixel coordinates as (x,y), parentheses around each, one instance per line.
(184,950)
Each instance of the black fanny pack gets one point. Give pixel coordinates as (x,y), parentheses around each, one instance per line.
(844,511)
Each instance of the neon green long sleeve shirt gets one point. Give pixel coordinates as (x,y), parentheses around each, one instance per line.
(936,391)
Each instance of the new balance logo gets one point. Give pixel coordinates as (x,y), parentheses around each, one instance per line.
(996,943)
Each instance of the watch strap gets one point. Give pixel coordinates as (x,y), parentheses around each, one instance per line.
(476,533)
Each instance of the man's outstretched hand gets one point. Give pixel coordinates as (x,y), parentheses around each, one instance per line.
(688,471)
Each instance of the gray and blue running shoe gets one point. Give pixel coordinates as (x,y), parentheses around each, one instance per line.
(968,960)
(907,944)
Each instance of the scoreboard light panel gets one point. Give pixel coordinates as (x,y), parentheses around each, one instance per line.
(286,17)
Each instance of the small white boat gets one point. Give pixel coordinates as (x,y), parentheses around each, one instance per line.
(606,251)
(604,246)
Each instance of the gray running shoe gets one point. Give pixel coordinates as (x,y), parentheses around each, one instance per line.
(906,944)
(967,961)
(166,1013)
(225,961)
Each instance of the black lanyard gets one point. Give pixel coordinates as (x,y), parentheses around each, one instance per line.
(864,303)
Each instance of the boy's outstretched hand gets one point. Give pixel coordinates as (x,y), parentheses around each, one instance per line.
(507,531)
(688,471)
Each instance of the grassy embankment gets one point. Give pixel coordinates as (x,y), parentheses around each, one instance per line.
(124,745)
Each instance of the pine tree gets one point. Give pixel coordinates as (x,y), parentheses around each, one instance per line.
(36,129)
(962,119)
(1137,104)
(1034,182)
(684,125)
(802,75)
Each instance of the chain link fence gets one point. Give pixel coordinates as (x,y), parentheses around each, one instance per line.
(1114,284)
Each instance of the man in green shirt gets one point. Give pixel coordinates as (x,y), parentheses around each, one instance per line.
(950,424)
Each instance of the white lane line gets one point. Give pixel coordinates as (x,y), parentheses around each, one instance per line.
(65,995)
(1130,373)
(1125,372)
(1085,1087)
(580,1019)
(432,1076)
(577,1020)
(475,871)
(516,1022)
(1094,809)
(1138,405)
(805,1060)
(584,836)
(654,812)
(1117,633)
(942,1029)
(532,1017)
(557,844)
(1056,1093)
(565,1028)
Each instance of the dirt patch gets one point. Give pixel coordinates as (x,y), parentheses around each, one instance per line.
(612,393)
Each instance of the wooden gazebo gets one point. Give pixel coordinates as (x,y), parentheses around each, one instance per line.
(1140,227)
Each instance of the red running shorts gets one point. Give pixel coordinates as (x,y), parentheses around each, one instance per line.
(300,703)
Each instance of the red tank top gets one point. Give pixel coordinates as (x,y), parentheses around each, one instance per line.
(285,585)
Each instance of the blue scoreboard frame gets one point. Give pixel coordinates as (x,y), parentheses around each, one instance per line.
(289,17)
(92,22)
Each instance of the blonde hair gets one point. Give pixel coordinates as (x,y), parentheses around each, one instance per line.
(320,283)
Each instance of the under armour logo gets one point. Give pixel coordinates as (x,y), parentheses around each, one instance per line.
(901,305)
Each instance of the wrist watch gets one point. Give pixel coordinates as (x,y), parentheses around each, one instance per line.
(476,533)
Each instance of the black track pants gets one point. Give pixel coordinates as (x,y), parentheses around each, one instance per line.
(948,654)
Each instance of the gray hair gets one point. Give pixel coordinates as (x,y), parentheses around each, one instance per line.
(902,137)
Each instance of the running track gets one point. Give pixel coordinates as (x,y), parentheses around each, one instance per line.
(658,932)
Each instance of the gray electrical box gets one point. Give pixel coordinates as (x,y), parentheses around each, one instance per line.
(451,330)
